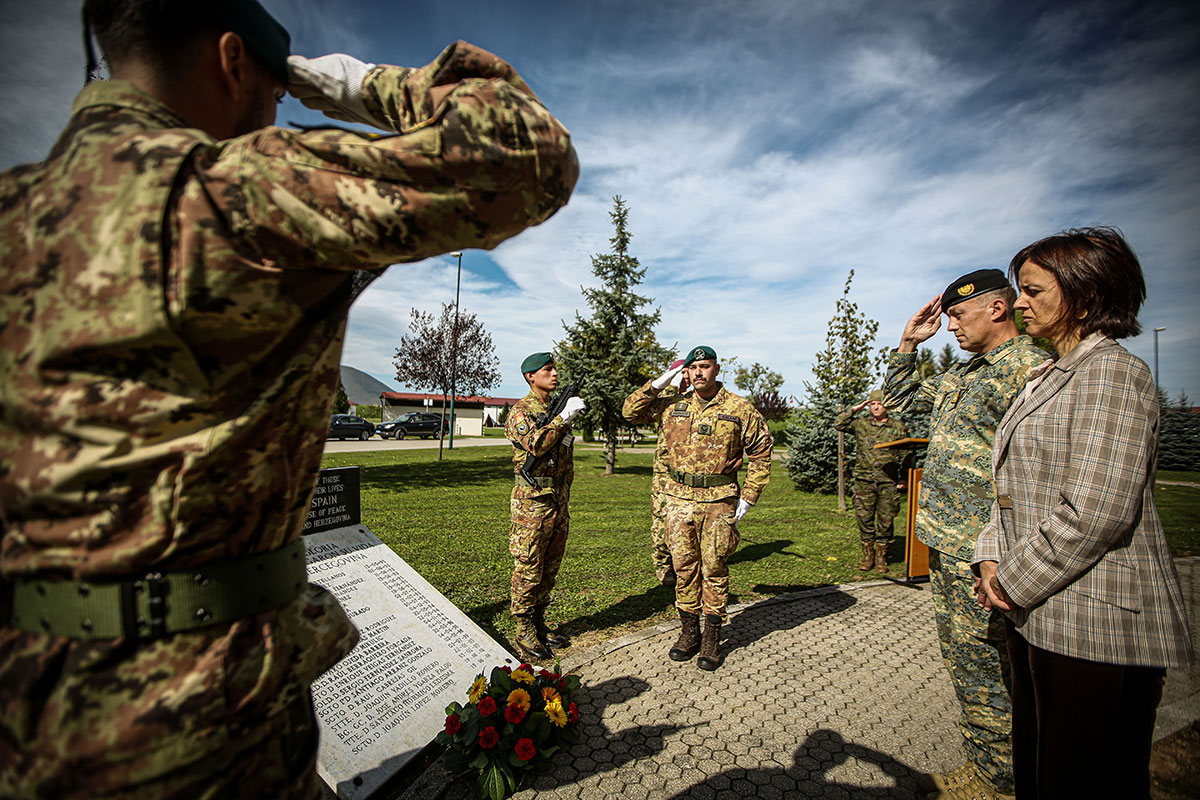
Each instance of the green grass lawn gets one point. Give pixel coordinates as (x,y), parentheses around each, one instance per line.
(449,520)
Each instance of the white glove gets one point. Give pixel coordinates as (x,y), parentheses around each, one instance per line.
(572,407)
(661,381)
(333,84)
(742,508)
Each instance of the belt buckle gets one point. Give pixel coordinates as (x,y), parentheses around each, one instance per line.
(154,625)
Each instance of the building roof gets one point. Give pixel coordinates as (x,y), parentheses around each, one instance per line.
(420,398)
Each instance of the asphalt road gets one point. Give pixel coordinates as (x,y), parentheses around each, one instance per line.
(375,443)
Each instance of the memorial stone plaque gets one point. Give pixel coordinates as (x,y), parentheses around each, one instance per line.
(386,700)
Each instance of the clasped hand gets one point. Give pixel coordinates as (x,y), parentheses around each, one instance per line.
(988,591)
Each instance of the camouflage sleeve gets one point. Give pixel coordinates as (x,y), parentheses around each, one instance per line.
(903,389)
(522,430)
(845,420)
(486,163)
(757,445)
(645,405)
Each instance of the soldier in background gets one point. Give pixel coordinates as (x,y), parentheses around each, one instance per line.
(967,404)
(707,434)
(878,476)
(540,514)
(176,279)
(664,570)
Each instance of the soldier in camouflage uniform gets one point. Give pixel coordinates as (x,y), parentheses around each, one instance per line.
(878,476)
(664,571)
(177,276)
(540,514)
(707,434)
(967,404)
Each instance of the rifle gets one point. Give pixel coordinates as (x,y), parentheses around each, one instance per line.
(557,404)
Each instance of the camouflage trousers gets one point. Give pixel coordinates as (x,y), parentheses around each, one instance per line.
(875,506)
(975,651)
(537,541)
(114,726)
(701,536)
(660,553)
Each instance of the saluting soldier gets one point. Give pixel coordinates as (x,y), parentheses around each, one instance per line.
(664,571)
(707,434)
(539,505)
(878,476)
(176,279)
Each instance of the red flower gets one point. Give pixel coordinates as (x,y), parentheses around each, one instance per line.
(525,749)
(572,713)
(487,705)
(507,669)
(488,738)
(514,713)
(453,724)
(545,673)
(527,668)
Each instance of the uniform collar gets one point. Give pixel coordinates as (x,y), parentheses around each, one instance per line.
(126,95)
(1000,351)
(717,398)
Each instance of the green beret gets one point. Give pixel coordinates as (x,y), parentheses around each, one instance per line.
(974,283)
(699,354)
(265,37)
(535,361)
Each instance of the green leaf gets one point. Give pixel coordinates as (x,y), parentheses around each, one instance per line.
(479,761)
(492,783)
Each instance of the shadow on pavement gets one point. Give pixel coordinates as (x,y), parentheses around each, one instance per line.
(822,751)
(760,550)
(600,750)
(758,621)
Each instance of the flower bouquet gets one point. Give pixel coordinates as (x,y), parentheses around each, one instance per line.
(510,727)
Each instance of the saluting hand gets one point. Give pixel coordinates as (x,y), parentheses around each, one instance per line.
(922,325)
(333,84)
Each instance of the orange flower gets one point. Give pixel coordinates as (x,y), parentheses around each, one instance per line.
(519,697)
(549,694)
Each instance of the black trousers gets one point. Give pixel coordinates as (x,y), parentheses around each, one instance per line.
(1080,728)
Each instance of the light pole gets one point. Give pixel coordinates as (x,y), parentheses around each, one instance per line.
(1156,383)
(454,347)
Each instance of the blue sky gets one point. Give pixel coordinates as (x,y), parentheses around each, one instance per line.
(767,147)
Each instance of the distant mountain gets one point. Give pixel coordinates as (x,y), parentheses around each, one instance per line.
(361,388)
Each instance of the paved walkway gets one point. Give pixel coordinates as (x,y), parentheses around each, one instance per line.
(833,693)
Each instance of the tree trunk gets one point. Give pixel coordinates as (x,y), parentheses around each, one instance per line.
(442,439)
(841,471)
(610,450)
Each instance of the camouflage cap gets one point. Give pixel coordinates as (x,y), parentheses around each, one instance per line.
(265,37)
(875,396)
(698,354)
(972,284)
(535,361)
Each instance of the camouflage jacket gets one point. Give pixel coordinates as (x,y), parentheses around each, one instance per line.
(553,438)
(659,468)
(870,464)
(967,404)
(174,308)
(707,439)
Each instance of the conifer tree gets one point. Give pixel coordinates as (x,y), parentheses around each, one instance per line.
(616,344)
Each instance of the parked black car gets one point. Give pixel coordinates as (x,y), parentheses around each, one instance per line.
(414,423)
(343,426)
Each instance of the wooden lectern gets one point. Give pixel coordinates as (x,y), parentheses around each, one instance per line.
(916,554)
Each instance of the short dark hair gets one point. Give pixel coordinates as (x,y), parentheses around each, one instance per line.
(162,33)
(1007,293)
(1098,275)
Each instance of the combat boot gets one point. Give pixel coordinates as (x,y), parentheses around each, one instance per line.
(526,639)
(881,565)
(964,783)
(544,636)
(688,643)
(868,557)
(710,645)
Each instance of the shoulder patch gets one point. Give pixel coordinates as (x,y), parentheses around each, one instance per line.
(522,427)
(730,418)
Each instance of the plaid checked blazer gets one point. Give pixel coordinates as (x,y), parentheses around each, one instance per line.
(1074,530)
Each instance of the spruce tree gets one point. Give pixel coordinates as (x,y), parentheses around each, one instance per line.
(616,344)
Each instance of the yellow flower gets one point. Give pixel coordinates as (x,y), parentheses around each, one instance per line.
(521,676)
(519,697)
(554,711)
(477,689)
(549,695)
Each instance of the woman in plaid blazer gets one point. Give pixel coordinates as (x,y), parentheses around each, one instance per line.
(1074,552)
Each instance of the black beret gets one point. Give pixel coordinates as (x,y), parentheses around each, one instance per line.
(265,37)
(535,361)
(699,354)
(973,283)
